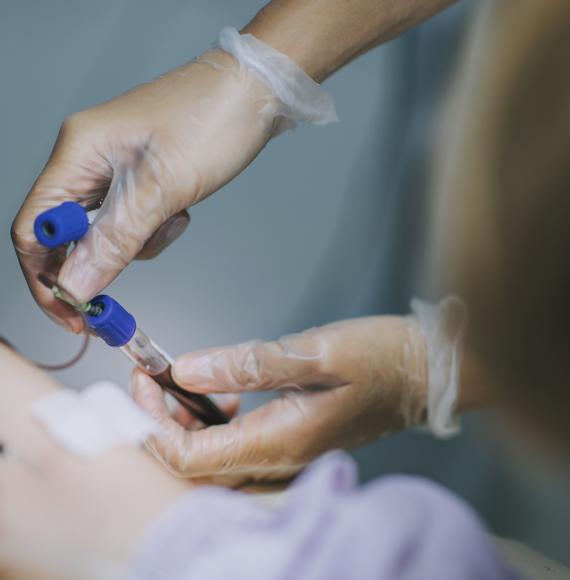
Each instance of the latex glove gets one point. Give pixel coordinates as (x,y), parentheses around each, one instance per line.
(155,151)
(341,385)
(151,152)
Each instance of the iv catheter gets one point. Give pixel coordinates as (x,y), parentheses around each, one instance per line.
(113,323)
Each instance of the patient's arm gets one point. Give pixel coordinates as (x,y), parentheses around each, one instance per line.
(20,384)
(60,514)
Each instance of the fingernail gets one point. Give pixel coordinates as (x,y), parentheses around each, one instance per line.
(142,391)
(133,383)
(78,326)
(139,382)
(193,368)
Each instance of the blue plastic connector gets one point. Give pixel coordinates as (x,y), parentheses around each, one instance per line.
(110,321)
(62,224)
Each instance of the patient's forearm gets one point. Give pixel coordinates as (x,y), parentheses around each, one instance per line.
(323,35)
(96,507)
(20,384)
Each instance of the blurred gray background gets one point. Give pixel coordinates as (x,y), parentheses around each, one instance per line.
(326,224)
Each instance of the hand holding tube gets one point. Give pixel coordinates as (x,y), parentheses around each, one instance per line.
(153,152)
(341,385)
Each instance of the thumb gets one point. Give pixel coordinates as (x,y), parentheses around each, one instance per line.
(298,360)
(138,203)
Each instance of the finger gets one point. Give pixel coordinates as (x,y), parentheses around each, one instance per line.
(167,233)
(73,173)
(298,360)
(149,395)
(48,262)
(139,201)
(273,442)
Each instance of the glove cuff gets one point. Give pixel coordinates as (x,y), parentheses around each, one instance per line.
(301,99)
(442,326)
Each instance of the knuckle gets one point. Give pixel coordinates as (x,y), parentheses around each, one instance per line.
(74,126)
(14,234)
(249,364)
(73,123)
(307,350)
(324,365)
(21,234)
(68,127)
(325,362)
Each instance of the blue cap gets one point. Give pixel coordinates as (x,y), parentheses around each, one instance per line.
(62,224)
(113,323)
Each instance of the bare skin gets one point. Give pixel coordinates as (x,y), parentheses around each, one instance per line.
(62,517)
(324,35)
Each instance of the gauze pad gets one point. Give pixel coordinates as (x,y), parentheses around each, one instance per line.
(90,422)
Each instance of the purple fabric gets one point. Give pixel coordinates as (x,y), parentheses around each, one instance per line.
(396,528)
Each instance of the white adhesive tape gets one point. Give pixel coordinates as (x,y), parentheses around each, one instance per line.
(90,422)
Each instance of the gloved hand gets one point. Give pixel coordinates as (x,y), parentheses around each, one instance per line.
(155,151)
(152,152)
(341,385)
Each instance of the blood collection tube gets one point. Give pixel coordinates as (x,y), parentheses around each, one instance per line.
(69,222)
(118,328)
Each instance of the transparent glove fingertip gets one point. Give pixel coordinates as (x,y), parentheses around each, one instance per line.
(148,395)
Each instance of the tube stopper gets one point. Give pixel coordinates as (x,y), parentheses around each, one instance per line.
(110,321)
(62,224)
